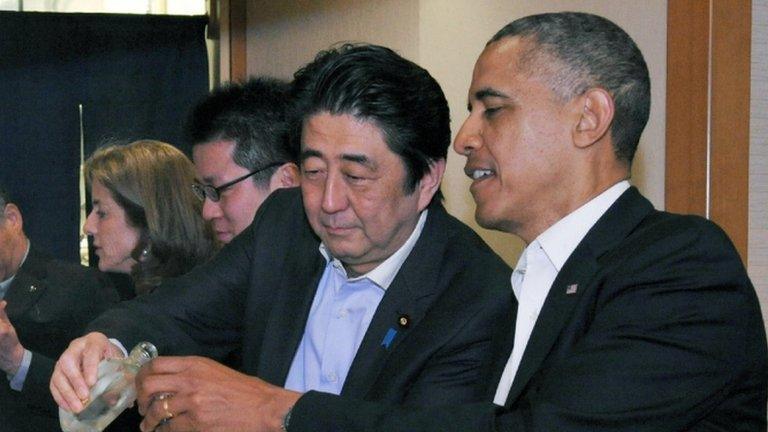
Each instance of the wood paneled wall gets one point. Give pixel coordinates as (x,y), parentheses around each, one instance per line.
(708,84)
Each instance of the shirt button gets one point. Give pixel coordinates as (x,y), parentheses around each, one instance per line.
(332,377)
(342,313)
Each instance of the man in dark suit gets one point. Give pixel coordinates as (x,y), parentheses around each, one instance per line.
(43,304)
(629,319)
(359,283)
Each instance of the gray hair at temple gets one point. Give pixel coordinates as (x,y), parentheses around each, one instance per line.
(573,52)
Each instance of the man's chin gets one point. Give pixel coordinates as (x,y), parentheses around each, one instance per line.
(488,221)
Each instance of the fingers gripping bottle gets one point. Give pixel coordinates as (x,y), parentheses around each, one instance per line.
(114,391)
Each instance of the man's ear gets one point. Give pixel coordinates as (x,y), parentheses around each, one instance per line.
(285,177)
(430,183)
(595,117)
(12,216)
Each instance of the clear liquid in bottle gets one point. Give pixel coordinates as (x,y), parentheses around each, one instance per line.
(114,391)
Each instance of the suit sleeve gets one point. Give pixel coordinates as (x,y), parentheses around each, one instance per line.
(200,313)
(674,332)
(455,373)
(91,294)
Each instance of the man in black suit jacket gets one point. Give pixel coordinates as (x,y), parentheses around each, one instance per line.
(45,303)
(373,145)
(629,319)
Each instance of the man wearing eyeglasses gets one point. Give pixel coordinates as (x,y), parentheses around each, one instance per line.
(241,152)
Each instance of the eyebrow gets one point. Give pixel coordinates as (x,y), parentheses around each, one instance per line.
(349,157)
(485,93)
(359,159)
(308,153)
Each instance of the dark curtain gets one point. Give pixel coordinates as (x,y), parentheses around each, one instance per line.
(136,77)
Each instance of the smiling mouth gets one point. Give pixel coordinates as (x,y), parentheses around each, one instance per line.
(478,174)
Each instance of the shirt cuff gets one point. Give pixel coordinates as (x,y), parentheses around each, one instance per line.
(117,343)
(17,381)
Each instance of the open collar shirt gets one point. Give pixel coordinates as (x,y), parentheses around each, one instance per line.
(537,269)
(341,312)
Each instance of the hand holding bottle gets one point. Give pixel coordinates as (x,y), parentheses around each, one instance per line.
(114,391)
(199,394)
(76,370)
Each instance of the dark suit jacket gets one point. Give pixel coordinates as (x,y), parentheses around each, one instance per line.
(49,304)
(664,333)
(256,295)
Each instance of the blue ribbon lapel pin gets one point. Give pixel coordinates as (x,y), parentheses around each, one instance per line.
(388,338)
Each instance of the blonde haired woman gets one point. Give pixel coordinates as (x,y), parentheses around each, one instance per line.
(145,221)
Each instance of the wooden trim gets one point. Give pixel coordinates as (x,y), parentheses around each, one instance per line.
(238,25)
(708,84)
(224,45)
(685,187)
(729,132)
(233,24)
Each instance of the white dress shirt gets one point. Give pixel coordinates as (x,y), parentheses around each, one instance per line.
(537,269)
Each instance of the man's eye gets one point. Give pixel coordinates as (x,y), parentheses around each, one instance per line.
(490,112)
(101,214)
(311,173)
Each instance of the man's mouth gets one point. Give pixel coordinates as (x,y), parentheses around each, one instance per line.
(478,174)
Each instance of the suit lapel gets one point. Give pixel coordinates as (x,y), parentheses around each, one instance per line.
(288,317)
(27,287)
(575,281)
(504,333)
(554,315)
(409,296)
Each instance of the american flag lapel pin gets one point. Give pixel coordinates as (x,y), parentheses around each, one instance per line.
(572,288)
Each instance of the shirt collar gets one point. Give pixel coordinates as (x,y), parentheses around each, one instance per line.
(561,239)
(4,285)
(384,273)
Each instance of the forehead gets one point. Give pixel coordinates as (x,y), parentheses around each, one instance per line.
(500,65)
(100,193)
(334,135)
(213,152)
(214,160)
(513,69)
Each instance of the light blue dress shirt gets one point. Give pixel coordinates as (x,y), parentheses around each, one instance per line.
(339,317)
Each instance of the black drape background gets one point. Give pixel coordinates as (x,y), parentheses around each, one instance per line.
(136,76)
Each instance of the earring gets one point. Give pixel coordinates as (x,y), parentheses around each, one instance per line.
(144,254)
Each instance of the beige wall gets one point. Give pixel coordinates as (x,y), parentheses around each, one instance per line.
(445,37)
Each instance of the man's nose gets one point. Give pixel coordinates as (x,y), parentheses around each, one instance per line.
(334,194)
(468,138)
(211,210)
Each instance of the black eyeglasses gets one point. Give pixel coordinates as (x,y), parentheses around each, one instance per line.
(213,193)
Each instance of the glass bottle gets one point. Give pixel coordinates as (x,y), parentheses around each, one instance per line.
(114,391)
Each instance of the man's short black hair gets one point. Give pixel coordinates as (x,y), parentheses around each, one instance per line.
(254,116)
(589,51)
(375,84)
